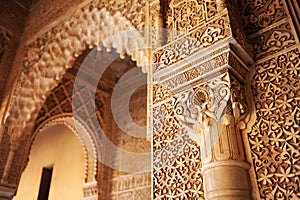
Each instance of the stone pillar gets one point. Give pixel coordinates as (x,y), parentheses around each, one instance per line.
(15,138)
(224,167)
(199,89)
(219,110)
(213,107)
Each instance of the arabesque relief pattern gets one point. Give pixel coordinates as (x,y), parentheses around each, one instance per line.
(216,60)
(179,117)
(135,186)
(219,101)
(177,160)
(275,137)
(204,36)
(273,40)
(56,51)
(181,124)
(184,16)
(259,14)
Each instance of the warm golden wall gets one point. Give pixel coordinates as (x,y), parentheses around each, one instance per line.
(56,146)
(274,138)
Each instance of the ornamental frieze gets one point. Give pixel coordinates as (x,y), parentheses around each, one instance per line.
(273,40)
(196,70)
(202,37)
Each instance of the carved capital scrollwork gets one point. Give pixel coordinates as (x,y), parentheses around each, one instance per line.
(214,112)
(206,100)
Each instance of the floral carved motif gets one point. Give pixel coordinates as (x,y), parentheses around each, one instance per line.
(239,34)
(182,179)
(160,93)
(165,125)
(275,137)
(208,99)
(184,16)
(202,37)
(182,127)
(215,111)
(202,66)
(177,160)
(273,40)
(259,14)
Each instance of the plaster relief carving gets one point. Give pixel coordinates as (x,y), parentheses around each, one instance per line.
(274,138)
(202,37)
(177,159)
(274,40)
(57,54)
(260,14)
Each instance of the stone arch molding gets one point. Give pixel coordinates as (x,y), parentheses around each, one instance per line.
(89,27)
(90,187)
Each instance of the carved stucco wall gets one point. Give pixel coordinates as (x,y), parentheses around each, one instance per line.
(177,157)
(274,138)
(53,12)
(13,15)
(39,50)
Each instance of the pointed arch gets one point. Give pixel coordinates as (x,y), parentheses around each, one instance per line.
(88,28)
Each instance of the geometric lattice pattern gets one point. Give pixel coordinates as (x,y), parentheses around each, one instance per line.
(275,137)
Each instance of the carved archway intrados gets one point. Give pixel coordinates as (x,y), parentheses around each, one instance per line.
(88,28)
